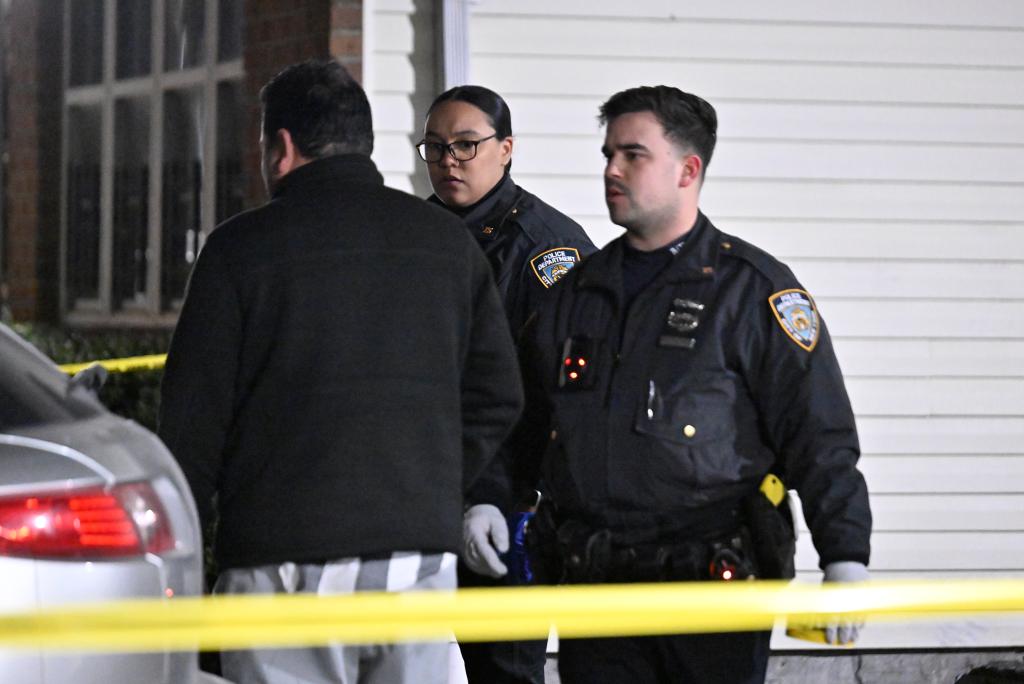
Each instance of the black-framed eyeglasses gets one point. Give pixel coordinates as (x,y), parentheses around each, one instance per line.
(461,150)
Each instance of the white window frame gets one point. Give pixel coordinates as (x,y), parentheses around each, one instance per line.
(207,76)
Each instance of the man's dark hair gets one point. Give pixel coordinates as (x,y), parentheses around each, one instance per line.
(323,108)
(688,120)
(487,101)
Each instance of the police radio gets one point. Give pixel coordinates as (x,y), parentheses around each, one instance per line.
(576,370)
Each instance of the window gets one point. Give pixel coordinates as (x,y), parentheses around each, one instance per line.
(154,116)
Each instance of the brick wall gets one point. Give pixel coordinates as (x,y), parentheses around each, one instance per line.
(282,32)
(31,232)
(347,35)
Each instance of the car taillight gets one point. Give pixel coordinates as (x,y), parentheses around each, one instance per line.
(124,520)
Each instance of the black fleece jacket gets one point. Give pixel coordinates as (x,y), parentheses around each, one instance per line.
(341,371)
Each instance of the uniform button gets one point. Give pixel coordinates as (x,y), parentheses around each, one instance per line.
(689,431)
(726,245)
(488,230)
(515,211)
(554,435)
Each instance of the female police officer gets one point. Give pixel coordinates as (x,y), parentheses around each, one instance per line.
(467,145)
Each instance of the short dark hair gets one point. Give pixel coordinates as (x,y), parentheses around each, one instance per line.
(486,100)
(688,120)
(323,108)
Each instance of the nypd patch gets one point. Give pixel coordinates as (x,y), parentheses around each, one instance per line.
(551,265)
(796,313)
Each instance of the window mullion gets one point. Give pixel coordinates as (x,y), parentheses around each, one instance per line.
(208,208)
(154,250)
(227,71)
(106,259)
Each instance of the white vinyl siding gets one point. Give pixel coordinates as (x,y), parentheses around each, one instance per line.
(401,77)
(876,148)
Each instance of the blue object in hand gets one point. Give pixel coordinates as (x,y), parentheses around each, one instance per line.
(516,558)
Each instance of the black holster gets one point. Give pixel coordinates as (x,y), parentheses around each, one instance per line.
(542,546)
(772,535)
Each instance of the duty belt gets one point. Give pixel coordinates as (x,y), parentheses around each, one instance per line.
(573,552)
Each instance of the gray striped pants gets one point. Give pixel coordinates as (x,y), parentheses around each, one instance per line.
(407,663)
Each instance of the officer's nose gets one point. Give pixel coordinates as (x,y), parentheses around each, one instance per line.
(447,160)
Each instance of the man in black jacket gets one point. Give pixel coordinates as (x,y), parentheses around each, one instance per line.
(671,379)
(341,371)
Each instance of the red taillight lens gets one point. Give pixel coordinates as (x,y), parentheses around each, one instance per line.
(126,520)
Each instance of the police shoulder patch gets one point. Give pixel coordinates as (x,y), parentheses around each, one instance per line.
(552,264)
(795,311)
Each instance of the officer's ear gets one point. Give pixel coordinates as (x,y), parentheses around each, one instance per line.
(505,150)
(689,174)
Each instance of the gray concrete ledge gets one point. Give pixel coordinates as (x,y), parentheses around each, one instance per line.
(941,667)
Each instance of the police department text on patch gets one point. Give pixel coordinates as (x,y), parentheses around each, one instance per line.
(551,265)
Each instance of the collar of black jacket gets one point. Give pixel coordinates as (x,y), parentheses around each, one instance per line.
(491,208)
(338,168)
(697,259)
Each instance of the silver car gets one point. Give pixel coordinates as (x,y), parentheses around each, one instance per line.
(92,508)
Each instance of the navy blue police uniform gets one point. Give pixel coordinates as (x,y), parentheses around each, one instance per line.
(530,246)
(655,410)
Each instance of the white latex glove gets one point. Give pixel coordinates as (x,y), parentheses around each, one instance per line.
(484,536)
(844,631)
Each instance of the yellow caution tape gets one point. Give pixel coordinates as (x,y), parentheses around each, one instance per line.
(125,365)
(226,622)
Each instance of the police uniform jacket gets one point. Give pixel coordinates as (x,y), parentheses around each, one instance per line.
(529,244)
(341,368)
(719,372)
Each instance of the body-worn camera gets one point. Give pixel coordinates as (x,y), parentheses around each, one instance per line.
(577,368)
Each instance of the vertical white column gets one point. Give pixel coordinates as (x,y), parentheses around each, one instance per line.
(454,49)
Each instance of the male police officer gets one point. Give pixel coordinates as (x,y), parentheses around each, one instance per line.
(669,376)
